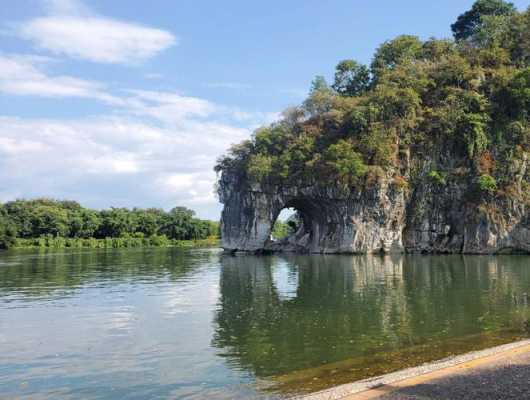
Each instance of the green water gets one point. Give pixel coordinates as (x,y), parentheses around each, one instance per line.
(171,323)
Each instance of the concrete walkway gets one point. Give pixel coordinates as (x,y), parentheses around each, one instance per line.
(502,372)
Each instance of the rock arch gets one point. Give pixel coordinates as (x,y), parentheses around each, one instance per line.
(333,221)
(378,217)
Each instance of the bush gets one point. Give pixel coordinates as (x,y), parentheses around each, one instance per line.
(8,234)
(437,177)
(344,162)
(487,183)
(259,167)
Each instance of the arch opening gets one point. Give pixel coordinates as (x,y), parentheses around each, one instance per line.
(287,223)
(292,227)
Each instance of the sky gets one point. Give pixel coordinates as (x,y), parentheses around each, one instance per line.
(128,103)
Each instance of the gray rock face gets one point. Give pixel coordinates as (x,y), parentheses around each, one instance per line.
(381,217)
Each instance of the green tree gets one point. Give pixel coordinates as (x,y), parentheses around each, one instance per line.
(519,95)
(178,224)
(49,220)
(116,222)
(20,213)
(394,52)
(83,223)
(280,230)
(469,23)
(8,232)
(437,49)
(351,78)
(148,221)
(259,166)
(320,99)
(344,162)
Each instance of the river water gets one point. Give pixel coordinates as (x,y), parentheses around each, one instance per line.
(192,324)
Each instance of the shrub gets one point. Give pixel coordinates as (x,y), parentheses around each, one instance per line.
(486,183)
(438,178)
(344,162)
(259,167)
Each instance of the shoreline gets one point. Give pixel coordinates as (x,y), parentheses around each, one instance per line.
(372,388)
(109,243)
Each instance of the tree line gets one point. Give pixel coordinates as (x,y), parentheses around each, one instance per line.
(49,218)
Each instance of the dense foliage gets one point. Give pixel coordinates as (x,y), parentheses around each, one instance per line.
(52,222)
(8,231)
(466,100)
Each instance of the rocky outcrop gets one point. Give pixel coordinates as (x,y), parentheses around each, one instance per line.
(383,216)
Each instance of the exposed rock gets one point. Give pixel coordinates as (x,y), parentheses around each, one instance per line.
(378,217)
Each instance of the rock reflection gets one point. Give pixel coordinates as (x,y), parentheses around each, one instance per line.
(358,306)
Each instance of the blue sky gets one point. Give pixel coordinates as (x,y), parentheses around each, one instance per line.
(129,103)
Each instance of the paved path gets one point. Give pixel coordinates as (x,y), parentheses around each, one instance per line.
(503,376)
(498,373)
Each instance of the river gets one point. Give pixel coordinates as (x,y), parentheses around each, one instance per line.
(164,323)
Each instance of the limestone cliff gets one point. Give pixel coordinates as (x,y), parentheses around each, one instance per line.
(378,217)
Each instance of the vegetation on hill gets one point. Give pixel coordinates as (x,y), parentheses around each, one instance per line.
(53,223)
(465,100)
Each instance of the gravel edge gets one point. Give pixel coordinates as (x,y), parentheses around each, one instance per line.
(341,391)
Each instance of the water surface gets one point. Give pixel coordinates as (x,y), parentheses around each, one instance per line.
(190,324)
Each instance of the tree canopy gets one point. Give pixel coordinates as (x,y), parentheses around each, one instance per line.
(457,102)
(351,78)
(67,219)
(469,23)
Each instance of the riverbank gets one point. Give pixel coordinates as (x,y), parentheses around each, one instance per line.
(114,243)
(498,372)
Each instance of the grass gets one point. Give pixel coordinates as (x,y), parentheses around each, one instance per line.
(120,242)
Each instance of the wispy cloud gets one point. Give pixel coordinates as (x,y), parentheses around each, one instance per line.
(72,30)
(21,75)
(169,107)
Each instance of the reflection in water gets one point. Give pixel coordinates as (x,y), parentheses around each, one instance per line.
(49,274)
(167,323)
(352,308)
(109,324)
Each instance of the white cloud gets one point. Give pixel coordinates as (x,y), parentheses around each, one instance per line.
(198,186)
(20,75)
(116,161)
(169,107)
(177,182)
(72,30)
(155,149)
(149,148)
